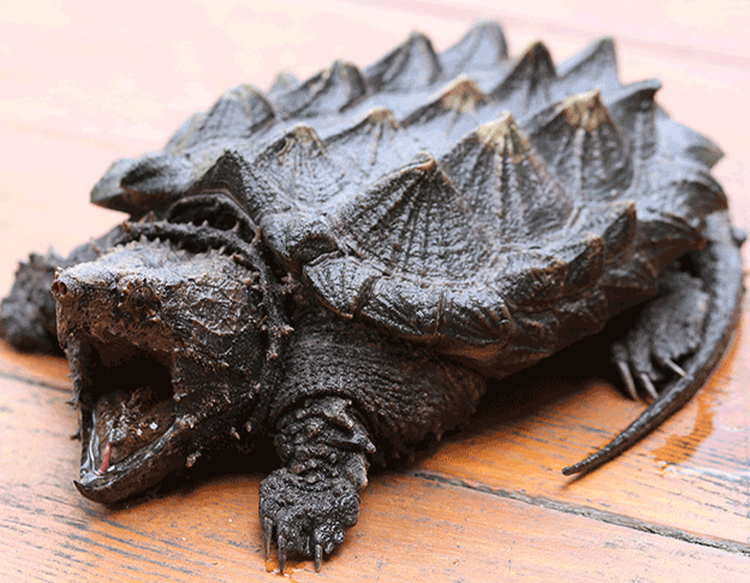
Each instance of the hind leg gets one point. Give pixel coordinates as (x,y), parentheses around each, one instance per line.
(678,337)
(674,326)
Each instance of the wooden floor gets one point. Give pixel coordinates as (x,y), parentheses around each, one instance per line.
(81,85)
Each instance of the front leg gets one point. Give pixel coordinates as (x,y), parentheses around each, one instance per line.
(310,502)
(346,386)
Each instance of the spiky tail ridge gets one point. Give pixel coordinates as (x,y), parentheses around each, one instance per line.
(719,266)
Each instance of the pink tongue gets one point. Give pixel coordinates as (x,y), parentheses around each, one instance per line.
(105,459)
(126,421)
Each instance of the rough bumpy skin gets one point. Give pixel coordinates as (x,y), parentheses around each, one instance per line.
(341,263)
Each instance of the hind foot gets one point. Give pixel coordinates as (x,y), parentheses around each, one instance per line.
(666,331)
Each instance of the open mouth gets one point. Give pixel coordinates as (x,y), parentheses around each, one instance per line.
(128,417)
(129,407)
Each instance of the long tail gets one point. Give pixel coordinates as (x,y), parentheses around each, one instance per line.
(719,265)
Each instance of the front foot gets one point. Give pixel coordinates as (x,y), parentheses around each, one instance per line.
(309,503)
(306,518)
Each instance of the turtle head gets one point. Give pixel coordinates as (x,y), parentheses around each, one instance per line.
(167,348)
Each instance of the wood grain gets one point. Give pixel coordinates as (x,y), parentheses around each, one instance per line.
(411,528)
(692,474)
(81,85)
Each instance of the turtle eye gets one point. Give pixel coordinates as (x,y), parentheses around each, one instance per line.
(143,299)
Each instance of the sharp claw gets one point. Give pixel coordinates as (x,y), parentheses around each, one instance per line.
(282,553)
(648,385)
(267,534)
(627,379)
(678,370)
(318,557)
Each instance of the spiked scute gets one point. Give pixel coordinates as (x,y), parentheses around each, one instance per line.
(581,125)
(332,90)
(344,145)
(238,114)
(598,61)
(410,67)
(529,84)
(483,48)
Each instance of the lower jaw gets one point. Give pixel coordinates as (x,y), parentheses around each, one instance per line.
(122,484)
(130,476)
(119,431)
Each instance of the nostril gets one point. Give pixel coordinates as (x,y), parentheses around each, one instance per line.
(59,289)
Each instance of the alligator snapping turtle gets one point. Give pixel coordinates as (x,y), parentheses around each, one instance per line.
(342,262)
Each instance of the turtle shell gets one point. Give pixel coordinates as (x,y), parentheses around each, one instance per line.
(497,208)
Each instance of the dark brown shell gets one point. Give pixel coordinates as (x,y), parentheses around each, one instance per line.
(496,208)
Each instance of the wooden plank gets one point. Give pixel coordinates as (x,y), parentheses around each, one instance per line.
(47,370)
(411,529)
(692,474)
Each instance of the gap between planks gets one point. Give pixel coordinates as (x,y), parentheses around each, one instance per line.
(589,512)
(21,378)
